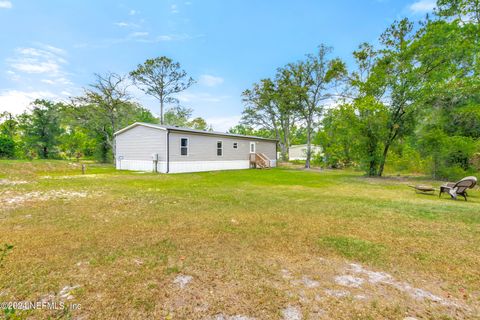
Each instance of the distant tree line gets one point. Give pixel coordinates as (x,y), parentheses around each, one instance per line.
(84,127)
(412,102)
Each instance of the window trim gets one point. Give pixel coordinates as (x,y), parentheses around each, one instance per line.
(235,145)
(187,147)
(221,141)
(254,147)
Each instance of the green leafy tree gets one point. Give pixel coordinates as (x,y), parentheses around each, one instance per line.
(339,137)
(40,129)
(8,130)
(7,146)
(199,123)
(178,116)
(268,107)
(8,124)
(105,108)
(312,83)
(161,78)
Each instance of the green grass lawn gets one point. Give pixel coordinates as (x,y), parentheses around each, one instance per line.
(262,244)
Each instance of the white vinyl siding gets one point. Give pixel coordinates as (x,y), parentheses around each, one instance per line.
(139,143)
(203,147)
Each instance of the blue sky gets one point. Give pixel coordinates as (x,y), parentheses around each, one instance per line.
(51,48)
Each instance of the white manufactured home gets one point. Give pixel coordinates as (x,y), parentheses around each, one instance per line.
(170,149)
(299,151)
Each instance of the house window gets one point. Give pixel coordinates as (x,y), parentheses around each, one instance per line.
(219,148)
(235,145)
(252,147)
(184,146)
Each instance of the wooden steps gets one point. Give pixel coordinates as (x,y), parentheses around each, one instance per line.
(259,161)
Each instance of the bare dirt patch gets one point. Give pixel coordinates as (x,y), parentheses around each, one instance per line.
(182,280)
(12,199)
(344,282)
(7,182)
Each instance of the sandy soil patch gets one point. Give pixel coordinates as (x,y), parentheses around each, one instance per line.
(344,282)
(13,199)
(75,176)
(235,317)
(292,313)
(182,280)
(7,182)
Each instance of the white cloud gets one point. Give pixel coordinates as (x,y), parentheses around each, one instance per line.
(53,49)
(5,5)
(223,123)
(29,66)
(210,80)
(46,60)
(16,101)
(189,97)
(422,6)
(132,12)
(39,73)
(174,8)
(13,75)
(123,24)
(139,34)
(57,81)
(172,37)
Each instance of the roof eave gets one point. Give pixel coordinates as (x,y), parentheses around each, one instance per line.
(191,131)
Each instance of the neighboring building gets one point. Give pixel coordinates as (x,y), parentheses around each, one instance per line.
(299,151)
(170,149)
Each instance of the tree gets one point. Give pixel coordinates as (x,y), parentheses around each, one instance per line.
(339,137)
(7,146)
(268,106)
(96,123)
(8,124)
(161,78)
(74,142)
(463,10)
(311,83)
(199,123)
(109,105)
(41,128)
(178,116)
(403,80)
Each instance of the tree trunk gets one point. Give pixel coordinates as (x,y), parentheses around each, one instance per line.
(45,152)
(284,152)
(309,147)
(113,140)
(287,143)
(384,158)
(161,111)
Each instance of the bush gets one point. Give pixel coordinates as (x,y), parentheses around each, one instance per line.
(408,159)
(7,147)
(454,173)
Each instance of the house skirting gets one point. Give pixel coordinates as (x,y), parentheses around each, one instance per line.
(196,166)
(184,166)
(141,165)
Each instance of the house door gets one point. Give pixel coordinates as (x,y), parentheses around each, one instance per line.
(252,147)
